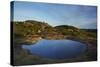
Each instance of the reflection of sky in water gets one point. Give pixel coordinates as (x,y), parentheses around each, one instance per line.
(56,49)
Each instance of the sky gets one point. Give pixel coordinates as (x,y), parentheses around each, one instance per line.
(81,16)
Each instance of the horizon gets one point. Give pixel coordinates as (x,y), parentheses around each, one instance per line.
(80,16)
(49,24)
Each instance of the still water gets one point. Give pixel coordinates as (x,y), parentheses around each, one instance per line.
(56,49)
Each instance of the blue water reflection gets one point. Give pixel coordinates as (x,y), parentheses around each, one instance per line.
(56,49)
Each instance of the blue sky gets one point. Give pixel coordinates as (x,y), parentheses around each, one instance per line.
(57,14)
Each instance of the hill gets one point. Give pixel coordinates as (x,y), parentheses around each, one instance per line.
(31,30)
(29,27)
(66,29)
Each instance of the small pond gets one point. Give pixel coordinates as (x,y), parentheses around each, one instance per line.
(56,49)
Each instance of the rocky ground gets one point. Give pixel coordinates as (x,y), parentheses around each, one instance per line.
(23,57)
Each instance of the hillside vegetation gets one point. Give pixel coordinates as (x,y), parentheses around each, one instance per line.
(30,31)
(44,30)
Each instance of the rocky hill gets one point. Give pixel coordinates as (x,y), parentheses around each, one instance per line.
(31,30)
